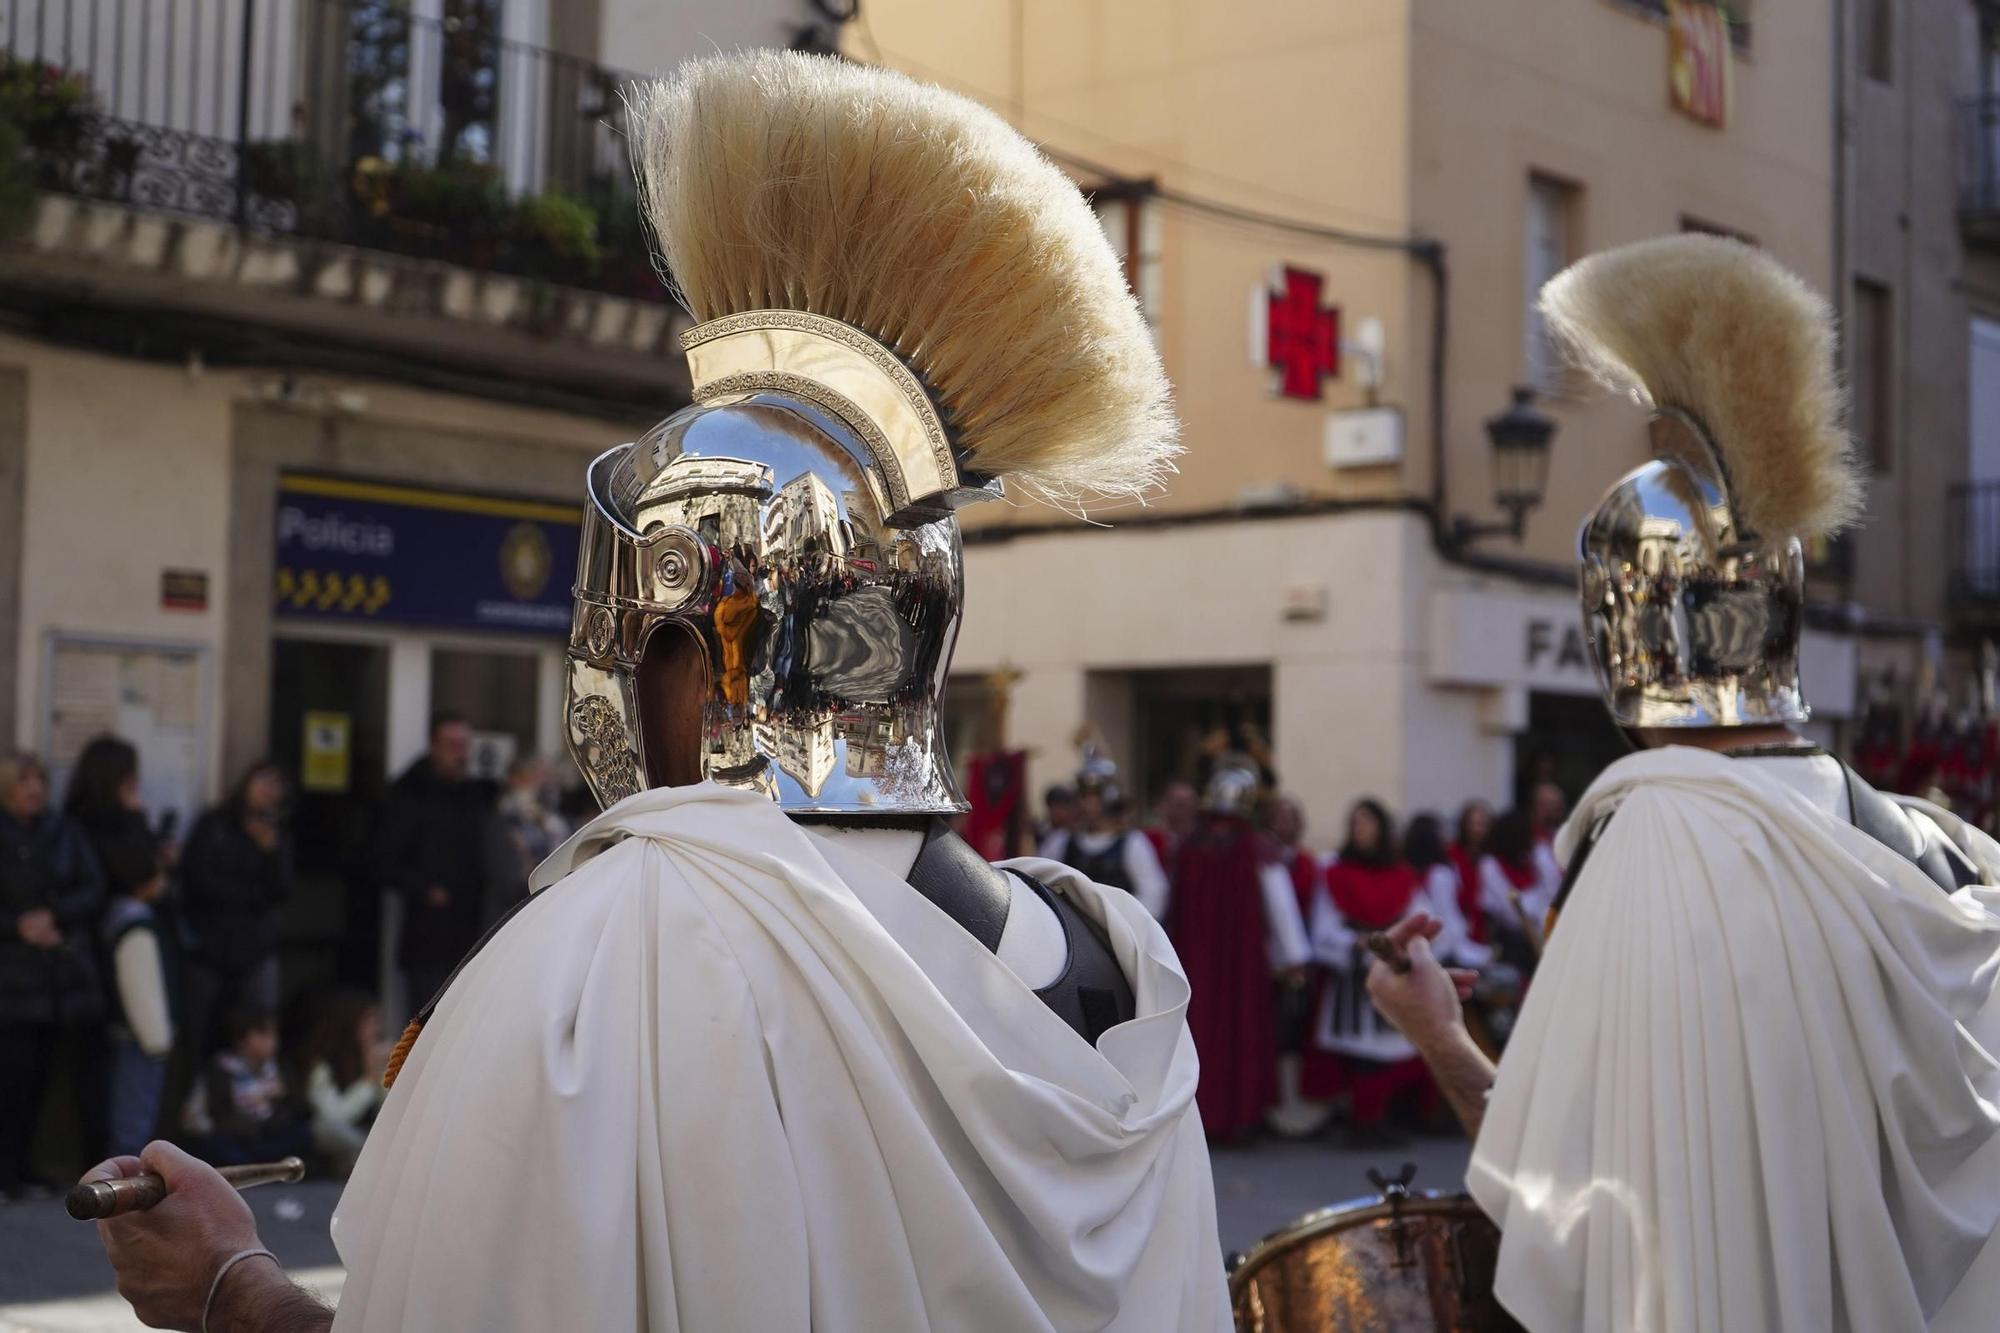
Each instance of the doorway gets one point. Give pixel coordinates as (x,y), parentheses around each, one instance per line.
(1181,716)
(1570,740)
(329,733)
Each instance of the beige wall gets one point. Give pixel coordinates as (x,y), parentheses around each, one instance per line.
(1286,106)
(129,469)
(1903,231)
(1578,90)
(1056,607)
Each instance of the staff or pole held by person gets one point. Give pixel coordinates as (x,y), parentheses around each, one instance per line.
(95,1200)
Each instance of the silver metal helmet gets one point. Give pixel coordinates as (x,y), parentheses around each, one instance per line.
(871,347)
(807,546)
(1693,621)
(1693,571)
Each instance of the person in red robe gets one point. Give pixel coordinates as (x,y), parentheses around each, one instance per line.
(1370,887)
(1217,922)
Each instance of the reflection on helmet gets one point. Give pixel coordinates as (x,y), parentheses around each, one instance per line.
(757,525)
(1694,621)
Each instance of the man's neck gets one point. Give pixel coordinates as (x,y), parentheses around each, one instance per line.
(1720,739)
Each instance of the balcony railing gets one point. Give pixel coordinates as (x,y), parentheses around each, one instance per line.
(1979,168)
(430,129)
(1973,518)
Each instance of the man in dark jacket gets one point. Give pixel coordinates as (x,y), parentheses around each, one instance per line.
(51,999)
(436,834)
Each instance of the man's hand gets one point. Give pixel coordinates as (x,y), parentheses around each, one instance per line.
(1424,999)
(167,1256)
(38,927)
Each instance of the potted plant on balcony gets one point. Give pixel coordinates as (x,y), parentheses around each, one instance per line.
(554,236)
(289,185)
(455,210)
(54,112)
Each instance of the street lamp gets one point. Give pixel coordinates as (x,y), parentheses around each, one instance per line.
(1520,438)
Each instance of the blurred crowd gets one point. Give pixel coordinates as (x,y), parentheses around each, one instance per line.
(1274,937)
(140,993)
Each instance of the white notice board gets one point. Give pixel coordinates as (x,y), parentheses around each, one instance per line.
(153,694)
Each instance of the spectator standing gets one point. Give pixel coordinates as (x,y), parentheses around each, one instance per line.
(1515,891)
(1475,828)
(1059,814)
(51,996)
(1547,809)
(1102,848)
(1174,823)
(143,957)
(241,1111)
(1370,887)
(1293,881)
(529,829)
(1440,891)
(435,835)
(344,1076)
(236,872)
(103,801)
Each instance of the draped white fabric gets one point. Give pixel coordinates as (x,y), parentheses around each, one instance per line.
(1754,1084)
(725,1074)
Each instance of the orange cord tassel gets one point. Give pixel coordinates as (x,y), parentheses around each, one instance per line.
(401,1053)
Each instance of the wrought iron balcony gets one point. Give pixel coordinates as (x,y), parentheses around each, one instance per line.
(1973,518)
(1979,169)
(428,130)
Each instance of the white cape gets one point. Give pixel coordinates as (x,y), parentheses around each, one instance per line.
(1754,1083)
(726,1075)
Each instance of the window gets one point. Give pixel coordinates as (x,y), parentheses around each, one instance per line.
(1131,221)
(1874,39)
(1550,241)
(1870,356)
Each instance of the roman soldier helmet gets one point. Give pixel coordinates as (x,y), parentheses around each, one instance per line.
(1693,570)
(900,306)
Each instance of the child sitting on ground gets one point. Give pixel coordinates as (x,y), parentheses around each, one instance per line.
(240,1112)
(344,1077)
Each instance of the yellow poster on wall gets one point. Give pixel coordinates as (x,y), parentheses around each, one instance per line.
(324,767)
(1698,60)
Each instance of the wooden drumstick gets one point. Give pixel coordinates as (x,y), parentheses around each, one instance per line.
(1378,943)
(98,1199)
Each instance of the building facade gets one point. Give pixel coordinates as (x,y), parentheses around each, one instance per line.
(312,315)
(1381,186)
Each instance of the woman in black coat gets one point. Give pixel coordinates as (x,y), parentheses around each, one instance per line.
(51,994)
(236,871)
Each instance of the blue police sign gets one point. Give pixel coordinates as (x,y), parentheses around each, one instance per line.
(370,551)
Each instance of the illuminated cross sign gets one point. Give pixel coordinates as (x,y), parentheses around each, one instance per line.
(1301,340)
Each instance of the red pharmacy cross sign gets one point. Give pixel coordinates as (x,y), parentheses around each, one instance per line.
(1301,340)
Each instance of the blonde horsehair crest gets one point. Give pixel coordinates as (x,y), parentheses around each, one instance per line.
(1725,333)
(777,180)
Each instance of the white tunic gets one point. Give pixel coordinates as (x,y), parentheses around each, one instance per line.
(1754,1083)
(727,1074)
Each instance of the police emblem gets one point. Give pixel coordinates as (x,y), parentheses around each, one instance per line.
(525,561)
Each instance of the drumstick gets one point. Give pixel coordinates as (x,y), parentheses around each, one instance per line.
(1378,943)
(97,1199)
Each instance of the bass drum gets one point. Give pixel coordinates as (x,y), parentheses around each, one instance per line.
(1405,1264)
